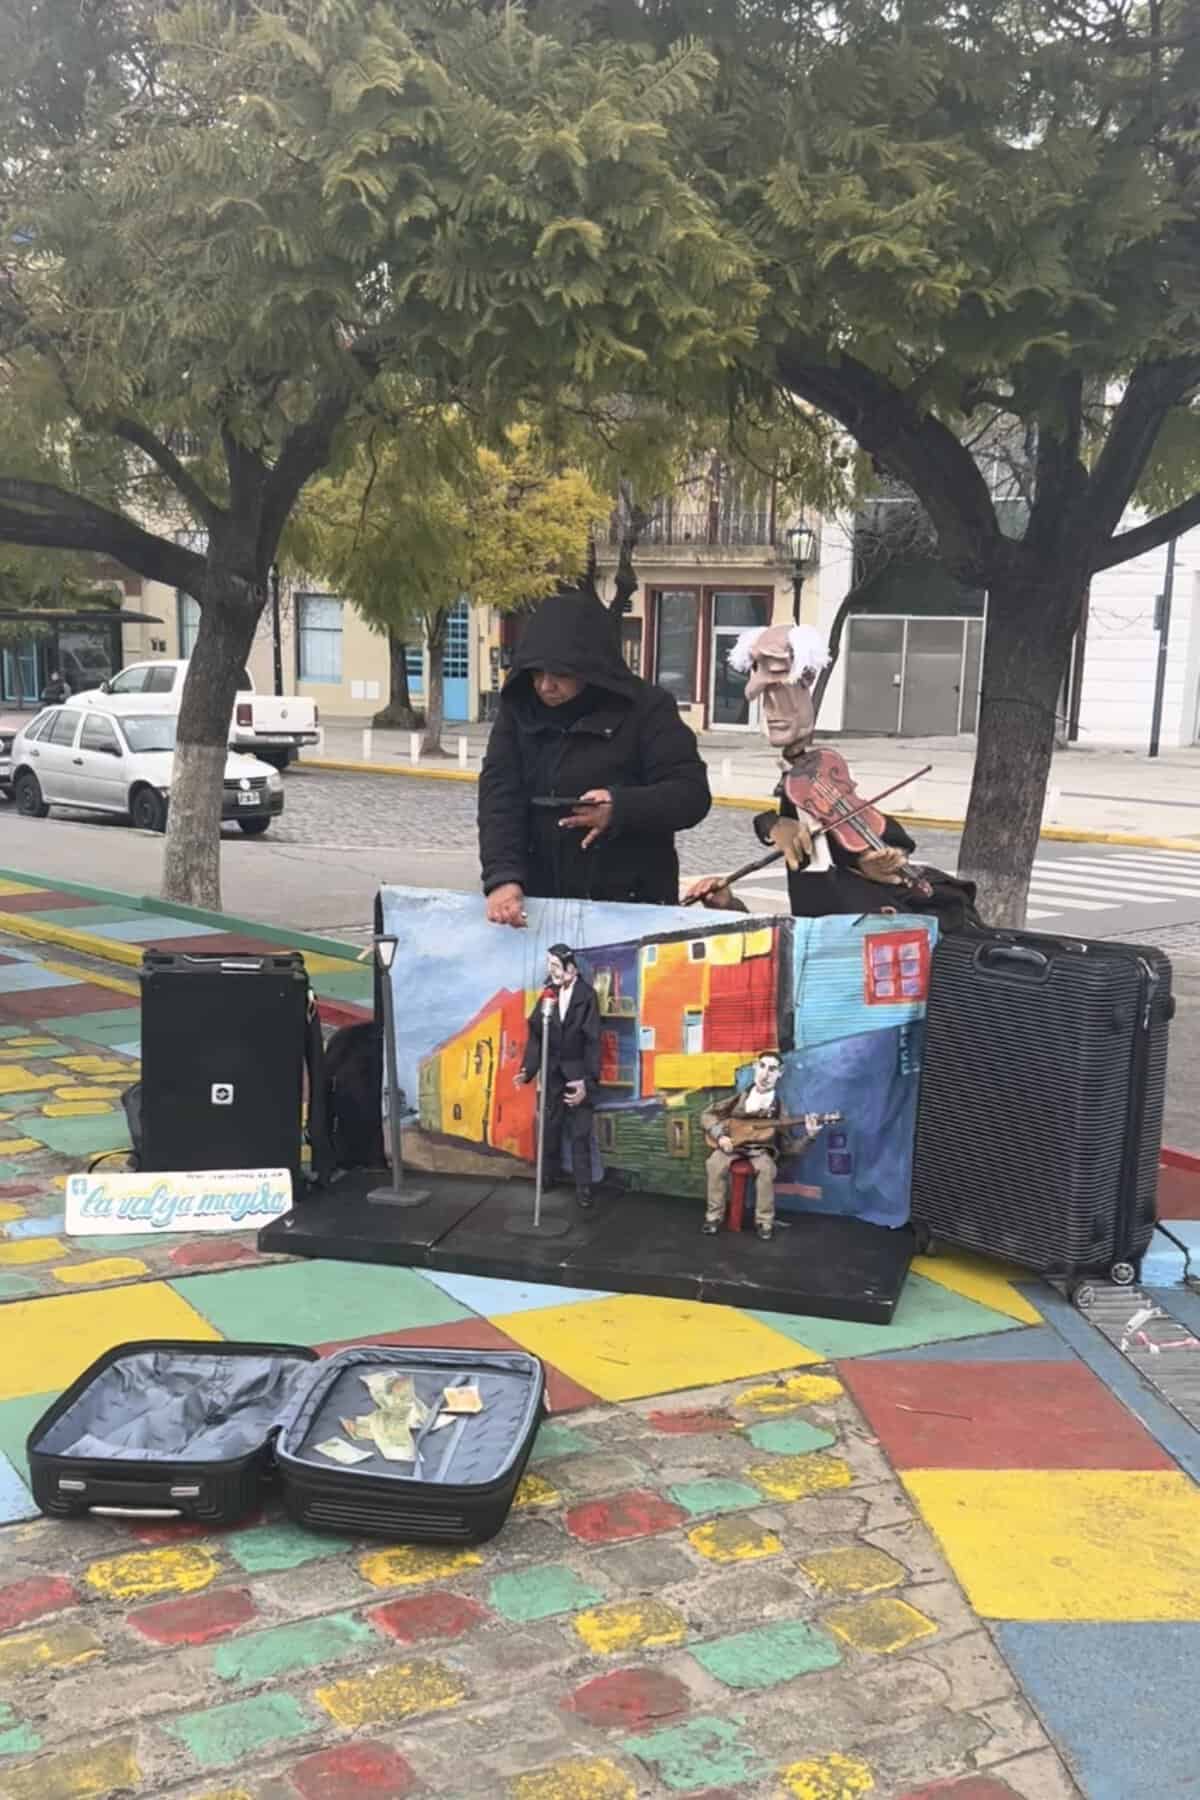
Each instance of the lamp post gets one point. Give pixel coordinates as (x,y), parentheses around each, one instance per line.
(396,1194)
(276,632)
(800,540)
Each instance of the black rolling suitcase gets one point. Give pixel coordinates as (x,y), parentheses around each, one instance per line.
(200,1432)
(1042,1087)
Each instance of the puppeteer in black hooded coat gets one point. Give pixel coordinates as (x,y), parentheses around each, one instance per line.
(619,733)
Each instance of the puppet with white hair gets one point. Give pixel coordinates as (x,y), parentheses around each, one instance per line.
(806,647)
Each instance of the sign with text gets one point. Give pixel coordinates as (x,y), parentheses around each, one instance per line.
(110,1205)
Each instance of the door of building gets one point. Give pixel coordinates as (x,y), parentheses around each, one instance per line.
(733,613)
(456,663)
(913,676)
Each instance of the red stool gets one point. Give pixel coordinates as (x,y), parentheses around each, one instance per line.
(741,1174)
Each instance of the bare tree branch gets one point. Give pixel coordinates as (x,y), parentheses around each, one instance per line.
(164,459)
(1149,536)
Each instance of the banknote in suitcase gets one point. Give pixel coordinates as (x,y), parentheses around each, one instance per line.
(1039,1123)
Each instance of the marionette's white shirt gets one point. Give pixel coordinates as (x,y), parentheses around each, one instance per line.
(759,1100)
(564,997)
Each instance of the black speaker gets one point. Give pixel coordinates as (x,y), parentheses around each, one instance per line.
(223,1045)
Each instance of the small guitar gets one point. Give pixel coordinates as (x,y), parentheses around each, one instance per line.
(752,1128)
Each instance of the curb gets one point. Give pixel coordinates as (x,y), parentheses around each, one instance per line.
(1180,1159)
(1056,834)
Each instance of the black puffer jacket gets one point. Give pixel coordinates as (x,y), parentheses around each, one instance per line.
(623,734)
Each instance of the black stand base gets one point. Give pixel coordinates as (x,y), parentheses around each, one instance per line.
(629,1243)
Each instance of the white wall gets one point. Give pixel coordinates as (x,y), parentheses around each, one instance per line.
(1122,651)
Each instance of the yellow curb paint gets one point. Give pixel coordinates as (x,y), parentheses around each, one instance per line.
(535,1490)
(16,1080)
(387,1696)
(317,964)
(23,1146)
(109,1268)
(577,1778)
(1053,1544)
(142,1573)
(421,770)
(733,1540)
(857,1570)
(31,1250)
(45,1342)
(638,1625)
(982,1279)
(786,1396)
(86,943)
(75,1109)
(833,1777)
(94,978)
(89,1774)
(881,1626)
(61,1649)
(410,1564)
(796,1477)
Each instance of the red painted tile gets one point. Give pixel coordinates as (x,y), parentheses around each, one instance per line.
(564,1394)
(63,1003)
(171,1532)
(635,1514)
(352,1769)
(629,1697)
(690,1424)
(1030,1415)
(34,1598)
(974,1787)
(1178,1194)
(19,1190)
(440,1614)
(204,1254)
(197,1619)
(45,900)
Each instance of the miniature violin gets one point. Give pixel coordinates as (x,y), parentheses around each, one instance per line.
(820,784)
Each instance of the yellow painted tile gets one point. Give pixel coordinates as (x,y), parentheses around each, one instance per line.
(75,1109)
(9,1209)
(857,1569)
(45,1343)
(98,1065)
(410,1564)
(62,1648)
(733,1540)
(31,1250)
(88,1774)
(142,1573)
(636,1625)
(785,1396)
(980,1278)
(80,1092)
(29,1043)
(879,1626)
(108,1268)
(389,1695)
(535,1490)
(96,977)
(16,1080)
(632,1345)
(21,1147)
(19,887)
(317,964)
(1068,1543)
(575,1778)
(833,1777)
(796,1477)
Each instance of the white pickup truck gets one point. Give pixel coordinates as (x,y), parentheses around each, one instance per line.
(271,728)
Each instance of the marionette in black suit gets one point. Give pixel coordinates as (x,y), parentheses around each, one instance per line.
(573,1064)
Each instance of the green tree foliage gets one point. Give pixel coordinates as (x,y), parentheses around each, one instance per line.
(225,225)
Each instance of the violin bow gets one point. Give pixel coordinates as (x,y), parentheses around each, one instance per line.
(773,856)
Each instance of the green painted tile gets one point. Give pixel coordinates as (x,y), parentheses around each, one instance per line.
(11,1171)
(527,1594)
(19,1287)
(17,1419)
(768,1655)
(305,1645)
(555,1440)
(714,1496)
(927,1314)
(103,1028)
(78,1138)
(17,1737)
(117,1246)
(704,1753)
(264,1549)
(91,918)
(789,1437)
(317,1302)
(223,1735)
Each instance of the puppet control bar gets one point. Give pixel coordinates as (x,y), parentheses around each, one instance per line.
(773,856)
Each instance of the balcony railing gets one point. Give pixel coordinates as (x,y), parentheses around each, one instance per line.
(706,527)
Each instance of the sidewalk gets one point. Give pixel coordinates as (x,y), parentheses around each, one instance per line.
(1092,791)
(755,1555)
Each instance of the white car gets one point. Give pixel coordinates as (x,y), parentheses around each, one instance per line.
(274,728)
(101,762)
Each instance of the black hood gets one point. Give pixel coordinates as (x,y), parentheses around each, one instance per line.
(572,633)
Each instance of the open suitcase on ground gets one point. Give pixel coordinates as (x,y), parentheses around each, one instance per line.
(1042,1091)
(198,1431)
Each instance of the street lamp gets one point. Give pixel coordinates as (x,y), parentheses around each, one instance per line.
(396,1194)
(800,541)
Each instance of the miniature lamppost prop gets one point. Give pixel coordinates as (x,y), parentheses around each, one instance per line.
(552,1224)
(395,1194)
(801,539)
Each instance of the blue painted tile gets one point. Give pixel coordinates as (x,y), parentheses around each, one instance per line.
(488,1297)
(132,1048)
(31,1228)
(1164,1262)
(16,1502)
(25,978)
(148,930)
(927,1313)
(1037,1343)
(1114,1700)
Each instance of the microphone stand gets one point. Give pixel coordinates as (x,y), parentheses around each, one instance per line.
(554,1224)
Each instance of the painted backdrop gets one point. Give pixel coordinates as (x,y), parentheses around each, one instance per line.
(687,999)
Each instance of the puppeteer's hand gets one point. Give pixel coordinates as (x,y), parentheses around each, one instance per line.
(709,891)
(593,815)
(520,1079)
(726,1144)
(812,1124)
(575,1093)
(506,905)
(881,865)
(794,838)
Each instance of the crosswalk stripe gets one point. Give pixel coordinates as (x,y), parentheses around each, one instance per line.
(1186,870)
(1071,902)
(1144,892)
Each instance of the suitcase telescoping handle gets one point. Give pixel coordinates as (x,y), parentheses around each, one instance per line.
(1021,960)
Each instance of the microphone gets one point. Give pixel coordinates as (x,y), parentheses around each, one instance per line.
(549,1000)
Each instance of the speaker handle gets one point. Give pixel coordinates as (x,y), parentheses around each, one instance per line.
(1033,965)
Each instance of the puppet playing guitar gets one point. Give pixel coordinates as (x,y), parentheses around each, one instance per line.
(750,1124)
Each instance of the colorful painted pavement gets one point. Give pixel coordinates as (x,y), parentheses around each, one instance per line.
(753,1554)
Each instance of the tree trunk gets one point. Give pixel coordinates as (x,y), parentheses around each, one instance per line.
(1031,617)
(431,743)
(229,615)
(399,711)
(836,631)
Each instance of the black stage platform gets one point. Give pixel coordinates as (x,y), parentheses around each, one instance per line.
(630,1243)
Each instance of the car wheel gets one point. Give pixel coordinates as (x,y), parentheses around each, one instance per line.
(28,795)
(254,827)
(148,810)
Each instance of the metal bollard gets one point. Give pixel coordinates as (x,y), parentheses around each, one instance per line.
(414,746)
(726,776)
(366,744)
(462,752)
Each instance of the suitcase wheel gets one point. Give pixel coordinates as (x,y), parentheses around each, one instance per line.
(922,1238)
(1123,1273)
(1082,1294)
